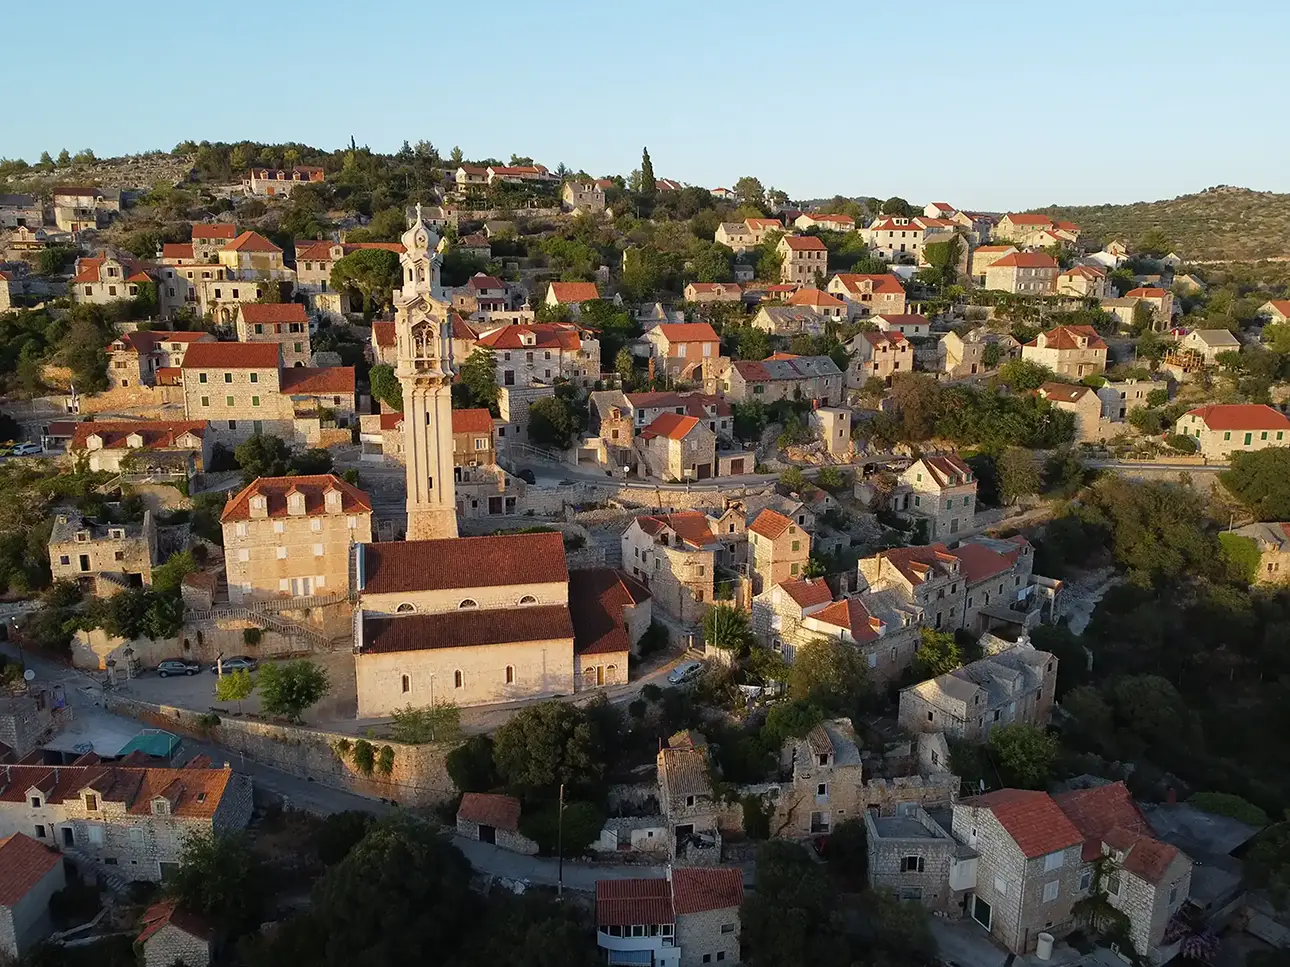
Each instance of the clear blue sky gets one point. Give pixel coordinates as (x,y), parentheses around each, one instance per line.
(993,104)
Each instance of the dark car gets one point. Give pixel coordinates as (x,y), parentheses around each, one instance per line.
(177,666)
(235,664)
(527,476)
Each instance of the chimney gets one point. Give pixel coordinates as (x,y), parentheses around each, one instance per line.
(1171,797)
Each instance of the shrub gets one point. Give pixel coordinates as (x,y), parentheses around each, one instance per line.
(440,722)
(756,817)
(654,639)
(385,760)
(470,765)
(1227,804)
(1181,443)
(251,636)
(651,692)
(207,721)
(583,822)
(364,757)
(341,832)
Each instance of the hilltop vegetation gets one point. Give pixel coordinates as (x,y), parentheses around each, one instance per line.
(1218,223)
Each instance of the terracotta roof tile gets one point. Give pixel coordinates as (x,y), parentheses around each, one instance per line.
(1241,416)
(1095,811)
(320,380)
(177,250)
(502,812)
(814,297)
(466,628)
(169,913)
(803,243)
(807,592)
(1145,292)
(218,230)
(1064,392)
(1067,337)
(684,772)
(696,890)
(23,863)
(1026,260)
(198,794)
(314,488)
(624,903)
(917,564)
(260,312)
(567,292)
(156,434)
(771,524)
(1042,221)
(671,425)
(251,242)
(464,562)
(597,598)
(384,334)
(881,283)
(471,421)
(687,332)
(851,614)
(1032,819)
(545,335)
(978,562)
(689,525)
(231,355)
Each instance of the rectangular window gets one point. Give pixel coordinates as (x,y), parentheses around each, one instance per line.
(911,864)
(201,377)
(282,553)
(1113,884)
(255,377)
(318,550)
(1051,890)
(1000,886)
(1085,880)
(206,401)
(228,401)
(228,377)
(255,401)
(1053,861)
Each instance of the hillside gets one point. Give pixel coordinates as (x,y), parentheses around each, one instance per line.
(1218,223)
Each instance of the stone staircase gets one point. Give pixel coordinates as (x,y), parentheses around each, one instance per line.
(269,621)
(87,864)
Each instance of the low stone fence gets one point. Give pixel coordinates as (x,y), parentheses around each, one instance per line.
(418,775)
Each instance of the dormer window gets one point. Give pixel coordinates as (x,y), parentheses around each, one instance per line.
(160,807)
(91,802)
(295,503)
(37,801)
(117,533)
(82,537)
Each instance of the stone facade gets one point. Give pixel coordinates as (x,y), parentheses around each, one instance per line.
(111,556)
(708,937)
(24,720)
(171,944)
(910,857)
(284,324)
(675,564)
(1071,351)
(1221,430)
(778,550)
(943,490)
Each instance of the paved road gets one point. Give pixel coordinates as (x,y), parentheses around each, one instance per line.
(1139,465)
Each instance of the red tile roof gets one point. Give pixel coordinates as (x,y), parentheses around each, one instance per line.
(821,217)
(689,526)
(481,281)
(731,287)
(1026,260)
(978,562)
(596,600)
(1032,819)
(873,338)
(882,283)
(177,250)
(314,488)
(156,434)
(471,421)
(251,242)
(1144,292)
(917,564)
(814,297)
(145,342)
(316,380)
(193,793)
(218,230)
(1029,219)
(1064,392)
(1098,810)
(947,470)
(624,903)
(993,248)
(687,332)
(807,592)
(567,292)
(466,628)
(259,312)
(384,333)
(761,223)
(23,863)
(169,913)
(696,890)
(1281,305)
(891,225)
(1067,337)
(89,269)
(1084,271)
(671,425)
(803,243)
(546,335)
(851,615)
(1241,416)
(695,404)
(486,809)
(231,355)
(770,523)
(464,562)
(320,251)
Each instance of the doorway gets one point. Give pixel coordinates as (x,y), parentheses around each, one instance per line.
(488,834)
(69,838)
(736,467)
(981,911)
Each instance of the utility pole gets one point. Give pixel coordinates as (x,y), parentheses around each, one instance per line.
(559,845)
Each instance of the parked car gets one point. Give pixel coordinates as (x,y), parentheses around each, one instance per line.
(27,449)
(235,664)
(177,666)
(527,476)
(684,672)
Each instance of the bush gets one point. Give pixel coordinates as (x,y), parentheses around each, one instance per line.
(364,757)
(340,833)
(440,722)
(830,478)
(1227,804)
(1181,443)
(654,639)
(470,765)
(583,822)
(756,817)
(385,760)
(251,636)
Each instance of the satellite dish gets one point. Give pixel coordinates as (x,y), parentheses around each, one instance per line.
(29,675)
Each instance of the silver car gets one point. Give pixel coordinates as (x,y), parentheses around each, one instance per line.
(684,672)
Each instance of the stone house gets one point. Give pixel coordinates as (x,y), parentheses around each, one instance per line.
(208,239)
(145,446)
(832,425)
(135,357)
(314,263)
(804,259)
(1023,273)
(681,348)
(130,820)
(474,442)
(830,223)
(1080,401)
(1083,281)
(252,256)
(30,874)
(472,620)
(941,489)
(470,177)
(517,174)
(701,292)
(583,196)
(896,239)
(1121,397)
(25,721)
(1019,227)
(290,537)
(279,182)
(912,858)
(779,612)
(642,409)
(1071,351)
(242,389)
(78,209)
(1273,543)
(748,234)
(867,294)
(676,449)
(907,324)
(384,344)
(493,819)
(959,356)
(1275,310)
(789,321)
(104,279)
(778,550)
(1223,429)
(686,797)
(285,324)
(826,778)
(572,294)
(1160,300)
(1209,343)
(103,558)
(542,353)
(1145,879)
(819,302)
(674,556)
(878,355)
(690,918)
(784,376)
(1016,684)
(1028,866)
(21,211)
(171,934)
(984,256)
(610,612)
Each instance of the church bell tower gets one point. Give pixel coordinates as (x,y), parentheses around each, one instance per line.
(424,370)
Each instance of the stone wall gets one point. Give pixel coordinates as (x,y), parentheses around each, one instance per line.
(170,945)
(419,777)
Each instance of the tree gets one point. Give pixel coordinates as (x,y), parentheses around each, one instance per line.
(456,156)
(262,455)
(726,627)
(1243,554)
(218,876)
(749,191)
(478,375)
(943,262)
(552,423)
(45,160)
(167,577)
(1019,474)
(939,654)
(648,185)
(1022,375)
(374,272)
(848,850)
(288,688)
(917,399)
(1024,754)
(793,480)
(234,687)
(830,674)
(470,766)
(897,206)
(714,264)
(1261,482)
(1153,242)
(64,158)
(792,916)
(1269,863)
(830,478)
(767,665)
(386,386)
(440,722)
(341,832)
(625,365)
(550,743)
